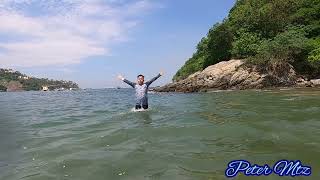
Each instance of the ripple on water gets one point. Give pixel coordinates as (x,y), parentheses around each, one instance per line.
(94,135)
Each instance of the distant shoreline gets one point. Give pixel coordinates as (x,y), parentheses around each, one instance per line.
(11,80)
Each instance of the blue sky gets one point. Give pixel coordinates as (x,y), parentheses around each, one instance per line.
(91,42)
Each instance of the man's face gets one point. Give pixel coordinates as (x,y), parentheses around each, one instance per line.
(140,80)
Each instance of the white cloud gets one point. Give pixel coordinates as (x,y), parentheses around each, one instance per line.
(63,32)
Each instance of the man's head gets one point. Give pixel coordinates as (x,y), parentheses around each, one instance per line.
(140,79)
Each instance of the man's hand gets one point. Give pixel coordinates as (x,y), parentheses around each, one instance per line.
(120,77)
(161,73)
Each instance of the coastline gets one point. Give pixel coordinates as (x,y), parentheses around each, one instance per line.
(231,75)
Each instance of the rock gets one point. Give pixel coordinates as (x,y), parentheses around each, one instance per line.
(301,82)
(194,74)
(315,82)
(238,77)
(231,75)
(13,86)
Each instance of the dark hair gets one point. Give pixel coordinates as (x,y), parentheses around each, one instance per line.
(140,75)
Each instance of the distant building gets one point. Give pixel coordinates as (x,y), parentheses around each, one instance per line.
(45,88)
(9,71)
(24,77)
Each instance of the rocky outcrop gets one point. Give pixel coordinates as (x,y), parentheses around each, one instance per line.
(232,75)
(315,82)
(13,86)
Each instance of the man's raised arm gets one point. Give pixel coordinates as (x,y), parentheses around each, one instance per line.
(132,84)
(153,79)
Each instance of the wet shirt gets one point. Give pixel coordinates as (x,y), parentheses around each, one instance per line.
(141,90)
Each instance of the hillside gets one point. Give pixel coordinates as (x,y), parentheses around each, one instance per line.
(270,34)
(11,80)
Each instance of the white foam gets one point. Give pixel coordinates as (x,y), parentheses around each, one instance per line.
(289,99)
(138,110)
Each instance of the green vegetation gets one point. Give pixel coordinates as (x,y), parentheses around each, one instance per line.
(3,88)
(30,83)
(267,33)
(195,63)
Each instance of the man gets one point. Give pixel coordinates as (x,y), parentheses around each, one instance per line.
(141,88)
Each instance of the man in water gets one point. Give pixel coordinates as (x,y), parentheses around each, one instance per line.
(141,88)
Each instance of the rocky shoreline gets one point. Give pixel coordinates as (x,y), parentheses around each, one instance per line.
(232,75)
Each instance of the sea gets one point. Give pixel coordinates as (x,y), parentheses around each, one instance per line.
(94,134)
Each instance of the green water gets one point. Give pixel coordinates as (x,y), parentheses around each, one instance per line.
(93,135)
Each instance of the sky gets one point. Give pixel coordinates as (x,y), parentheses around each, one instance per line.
(90,42)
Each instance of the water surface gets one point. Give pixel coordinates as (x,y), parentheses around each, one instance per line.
(92,134)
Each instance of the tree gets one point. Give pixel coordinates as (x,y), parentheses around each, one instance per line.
(314,56)
(3,88)
(265,17)
(308,14)
(289,47)
(220,40)
(246,44)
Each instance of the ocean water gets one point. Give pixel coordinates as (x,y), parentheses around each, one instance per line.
(94,135)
